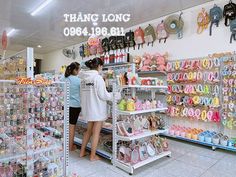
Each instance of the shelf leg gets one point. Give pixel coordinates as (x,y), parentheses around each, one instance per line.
(213,148)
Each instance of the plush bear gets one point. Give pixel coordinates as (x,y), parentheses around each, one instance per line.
(161,62)
(137,61)
(146,62)
(153,63)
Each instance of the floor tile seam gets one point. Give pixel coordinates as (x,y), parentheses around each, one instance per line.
(206,156)
(191,165)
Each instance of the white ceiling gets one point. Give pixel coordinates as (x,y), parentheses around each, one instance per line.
(46,28)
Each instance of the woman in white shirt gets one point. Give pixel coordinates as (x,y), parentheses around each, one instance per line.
(94,97)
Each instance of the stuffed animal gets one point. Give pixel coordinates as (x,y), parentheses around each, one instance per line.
(146,62)
(137,61)
(161,62)
(153,63)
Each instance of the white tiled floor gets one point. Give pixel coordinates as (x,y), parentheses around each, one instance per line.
(188,160)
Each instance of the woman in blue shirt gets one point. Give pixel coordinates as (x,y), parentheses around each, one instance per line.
(71,76)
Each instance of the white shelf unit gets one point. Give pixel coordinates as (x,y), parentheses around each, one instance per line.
(144,134)
(116,138)
(24,148)
(142,111)
(131,167)
(145,86)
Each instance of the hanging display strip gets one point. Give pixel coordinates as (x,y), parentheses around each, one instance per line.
(33,129)
(229,93)
(196,89)
(18,65)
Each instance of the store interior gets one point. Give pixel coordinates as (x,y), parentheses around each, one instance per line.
(174,66)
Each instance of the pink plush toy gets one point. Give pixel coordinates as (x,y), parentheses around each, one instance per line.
(161,62)
(146,61)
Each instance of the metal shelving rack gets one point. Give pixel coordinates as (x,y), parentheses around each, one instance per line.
(21,149)
(116,138)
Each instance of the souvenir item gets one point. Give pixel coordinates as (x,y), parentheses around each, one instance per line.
(120,42)
(139,37)
(129,39)
(216,14)
(105,45)
(113,42)
(150,35)
(203,21)
(162,34)
(233,30)
(229,12)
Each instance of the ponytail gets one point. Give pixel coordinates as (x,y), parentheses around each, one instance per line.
(69,69)
(94,63)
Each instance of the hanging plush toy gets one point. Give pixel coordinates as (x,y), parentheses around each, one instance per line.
(162,34)
(233,30)
(129,39)
(216,15)
(150,36)
(203,21)
(229,12)
(139,37)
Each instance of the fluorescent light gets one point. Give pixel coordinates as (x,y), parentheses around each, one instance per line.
(11,32)
(39,46)
(39,8)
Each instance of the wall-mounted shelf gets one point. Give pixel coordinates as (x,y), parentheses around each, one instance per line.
(212,145)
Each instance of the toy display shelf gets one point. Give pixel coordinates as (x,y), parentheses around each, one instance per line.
(117,138)
(144,134)
(104,130)
(101,152)
(130,168)
(161,73)
(141,111)
(113,65)
(212,145)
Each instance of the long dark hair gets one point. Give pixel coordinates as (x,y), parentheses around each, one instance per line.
(69,69)
(94,63)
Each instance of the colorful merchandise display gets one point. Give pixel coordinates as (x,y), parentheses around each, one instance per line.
(211,138)
(229,92)
(148,62)
(33,129)
(135,126)
(203,90)
(134,153)
(18,65)
(194,89)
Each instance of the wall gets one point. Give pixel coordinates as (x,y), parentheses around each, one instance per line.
(192,45)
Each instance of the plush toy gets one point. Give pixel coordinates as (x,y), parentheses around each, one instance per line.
(161,62)
(153,63)
(137,61)
(146,61)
